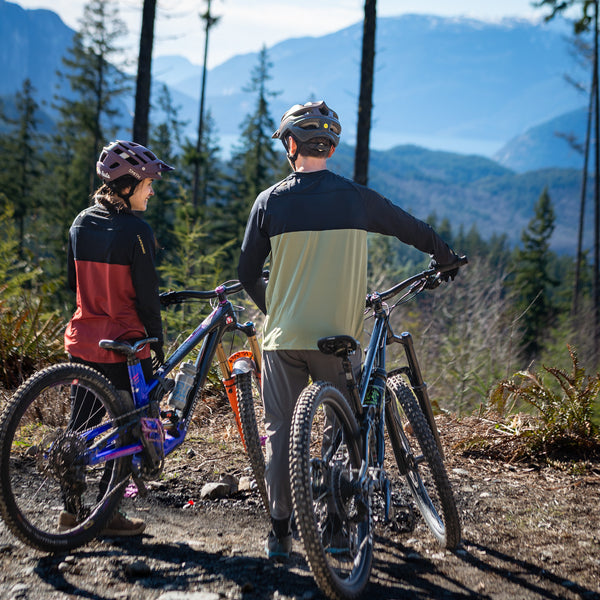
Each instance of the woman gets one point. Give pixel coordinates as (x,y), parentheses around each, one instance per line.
(111,269)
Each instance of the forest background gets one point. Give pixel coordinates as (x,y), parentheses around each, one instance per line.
(509,319)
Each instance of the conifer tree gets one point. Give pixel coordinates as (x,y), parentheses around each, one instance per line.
(20,149)
(212,176)
(255,158)
(86,115)
(532,281)
(88,112)
(144,74)
(365,97)
(165,141)
(255,162)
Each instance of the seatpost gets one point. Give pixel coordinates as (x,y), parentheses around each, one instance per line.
(351,384)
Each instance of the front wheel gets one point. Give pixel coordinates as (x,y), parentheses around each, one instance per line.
(251,417)
(51,496)
(333,510)
(419,460)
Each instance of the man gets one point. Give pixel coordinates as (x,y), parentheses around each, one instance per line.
(314,225)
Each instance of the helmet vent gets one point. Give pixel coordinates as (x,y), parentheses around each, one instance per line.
(132,161)
(128,158)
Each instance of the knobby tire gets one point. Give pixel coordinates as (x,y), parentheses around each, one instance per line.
(249,401)
(419,460)
(41,445)
(323,495)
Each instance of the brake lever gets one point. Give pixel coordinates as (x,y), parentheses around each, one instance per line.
(433,281)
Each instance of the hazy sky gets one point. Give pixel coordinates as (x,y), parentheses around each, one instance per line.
(247,25)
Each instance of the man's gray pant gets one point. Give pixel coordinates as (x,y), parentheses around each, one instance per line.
(285,374)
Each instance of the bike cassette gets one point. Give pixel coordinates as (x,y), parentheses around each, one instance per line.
(347,499)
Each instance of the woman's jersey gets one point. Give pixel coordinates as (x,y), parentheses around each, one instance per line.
(111,269)
(315,227)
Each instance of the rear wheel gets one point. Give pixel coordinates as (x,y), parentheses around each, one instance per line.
(46,479)
(420,462)
(251,410)
(333,512)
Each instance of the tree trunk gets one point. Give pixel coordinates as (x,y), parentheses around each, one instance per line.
(144,74)
(596,198)
(579,259)
(196,199)
(365,101)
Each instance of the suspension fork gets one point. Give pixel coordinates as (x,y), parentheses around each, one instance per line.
(239,362)
(418,385)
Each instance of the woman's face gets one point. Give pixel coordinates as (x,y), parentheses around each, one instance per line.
(139,198)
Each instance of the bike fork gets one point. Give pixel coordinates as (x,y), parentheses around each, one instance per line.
(419,386)
(242,361)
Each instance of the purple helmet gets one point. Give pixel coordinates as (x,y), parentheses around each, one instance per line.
(307,121)
(128,158)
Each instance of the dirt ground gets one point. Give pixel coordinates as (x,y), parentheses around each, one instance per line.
(529,532)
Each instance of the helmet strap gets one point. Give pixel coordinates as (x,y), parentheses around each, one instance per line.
(291,157)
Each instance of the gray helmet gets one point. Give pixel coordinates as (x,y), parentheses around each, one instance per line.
(307,121)
(128,158)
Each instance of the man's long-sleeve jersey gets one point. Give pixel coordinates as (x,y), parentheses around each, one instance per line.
(314,225)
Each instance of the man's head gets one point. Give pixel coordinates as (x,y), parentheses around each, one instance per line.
(314,127)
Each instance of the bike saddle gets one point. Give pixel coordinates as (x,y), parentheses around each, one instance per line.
(339,345)
(125,347)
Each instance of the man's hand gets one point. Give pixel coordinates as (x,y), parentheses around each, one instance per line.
(446,275)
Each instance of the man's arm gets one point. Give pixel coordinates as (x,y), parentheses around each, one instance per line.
(255,249)
(389,219)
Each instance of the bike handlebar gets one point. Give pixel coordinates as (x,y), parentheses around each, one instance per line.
(430,278)
(168,298)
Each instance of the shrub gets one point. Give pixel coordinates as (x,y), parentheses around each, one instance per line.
(564,419)
(29,339)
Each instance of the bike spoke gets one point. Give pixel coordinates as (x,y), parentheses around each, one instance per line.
(44,433)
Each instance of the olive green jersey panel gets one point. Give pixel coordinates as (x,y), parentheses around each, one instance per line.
(307,295)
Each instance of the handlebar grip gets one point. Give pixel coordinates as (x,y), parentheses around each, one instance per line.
(459,262)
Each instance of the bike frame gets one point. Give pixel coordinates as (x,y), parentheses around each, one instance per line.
(373,368)
(211,331)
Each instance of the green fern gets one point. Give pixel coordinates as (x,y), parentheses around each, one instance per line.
(29,337)
(564,414)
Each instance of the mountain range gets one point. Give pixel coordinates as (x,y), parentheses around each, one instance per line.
(452,84)
(490,102)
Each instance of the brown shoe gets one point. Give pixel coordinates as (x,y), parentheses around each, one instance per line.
(119,526)
(122,526)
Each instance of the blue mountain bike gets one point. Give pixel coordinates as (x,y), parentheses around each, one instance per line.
(338,447)
(69,441)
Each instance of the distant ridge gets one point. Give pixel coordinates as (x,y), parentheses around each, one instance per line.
(440,83)
(546,145)
(452,84)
